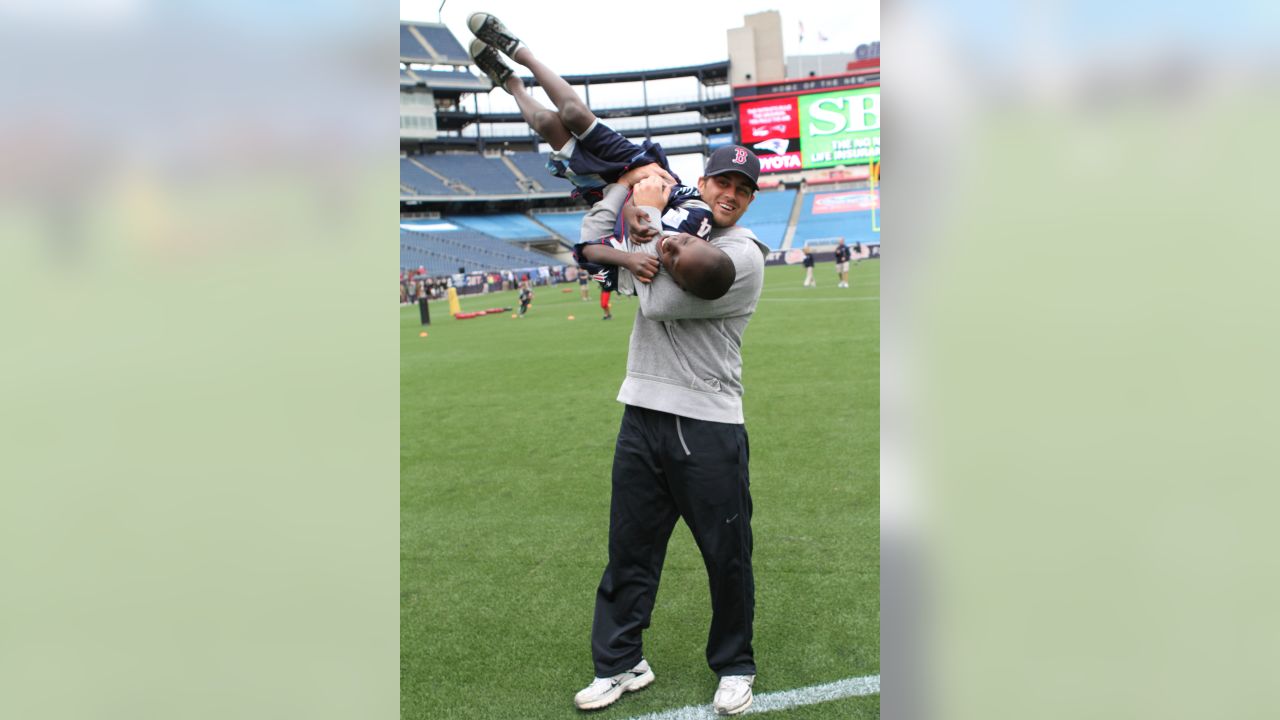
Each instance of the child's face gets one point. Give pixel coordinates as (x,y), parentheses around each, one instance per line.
(687,257)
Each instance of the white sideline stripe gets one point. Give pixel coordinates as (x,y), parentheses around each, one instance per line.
(791,288)
(768,702)
(826,299)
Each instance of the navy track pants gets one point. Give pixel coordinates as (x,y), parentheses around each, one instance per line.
(665,468)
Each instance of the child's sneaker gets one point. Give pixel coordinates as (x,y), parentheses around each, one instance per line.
(490,63)
(604,691)
(491,30)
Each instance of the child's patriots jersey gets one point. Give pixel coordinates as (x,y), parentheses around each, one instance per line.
(685,213)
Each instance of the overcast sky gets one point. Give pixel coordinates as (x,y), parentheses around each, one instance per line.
(673,33)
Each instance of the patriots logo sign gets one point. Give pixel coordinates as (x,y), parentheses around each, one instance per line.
(778,146)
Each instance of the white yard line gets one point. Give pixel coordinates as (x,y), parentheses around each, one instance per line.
(827,286)
(768,702)
(819,299)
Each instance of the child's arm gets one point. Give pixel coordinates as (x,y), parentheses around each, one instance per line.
(644,267)
(599,220)
(599,224)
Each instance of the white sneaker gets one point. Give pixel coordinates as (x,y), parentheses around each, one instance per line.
(734,694)
(604,691)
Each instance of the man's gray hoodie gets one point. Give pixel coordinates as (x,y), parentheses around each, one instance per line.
(685,356)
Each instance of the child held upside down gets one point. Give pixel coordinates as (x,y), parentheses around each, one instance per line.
(696,266)
(591,156)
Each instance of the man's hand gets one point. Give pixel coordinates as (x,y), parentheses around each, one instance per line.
(653,192)
(638,227)
(635,175)
(643,267)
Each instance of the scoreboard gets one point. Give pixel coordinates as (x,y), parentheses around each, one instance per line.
(807,130)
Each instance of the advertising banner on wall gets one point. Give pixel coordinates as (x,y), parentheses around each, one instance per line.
(841,202)
(840,128)
(813,131)
(771,128)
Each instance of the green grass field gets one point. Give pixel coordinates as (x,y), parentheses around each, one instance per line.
(506,439)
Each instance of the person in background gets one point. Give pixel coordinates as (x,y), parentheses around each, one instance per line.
(808,268)
(842,264)
(526,297)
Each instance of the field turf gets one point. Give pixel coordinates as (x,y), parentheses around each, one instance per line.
(506,439)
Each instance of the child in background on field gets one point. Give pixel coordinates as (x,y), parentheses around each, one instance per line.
(526,297)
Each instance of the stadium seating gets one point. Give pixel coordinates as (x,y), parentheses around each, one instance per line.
(568,225)
(448,51)
(444,43)
(508,226)
(425,183)
(534,165)
(484,175)
(502,248)
(482,242)
(841,214)
(447,79)
(410,48)
(447,250)
(768,215)
(445,260)
(412,258)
